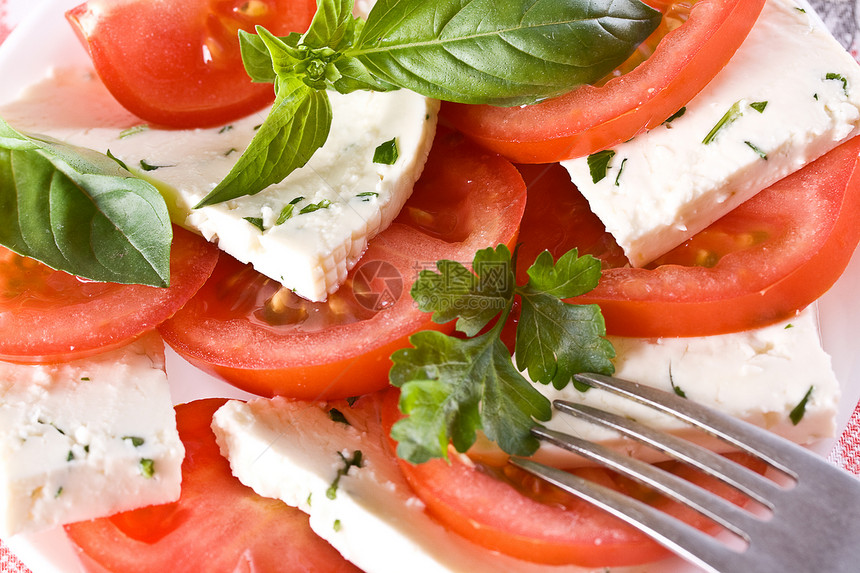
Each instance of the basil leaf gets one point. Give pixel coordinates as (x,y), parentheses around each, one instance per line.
(508,53)
(333,25)
(79,211)
(297,126)
(258,59)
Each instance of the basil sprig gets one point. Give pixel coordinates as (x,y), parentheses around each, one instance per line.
(82,212)
(512,52)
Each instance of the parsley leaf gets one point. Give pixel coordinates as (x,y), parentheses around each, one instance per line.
(451,386)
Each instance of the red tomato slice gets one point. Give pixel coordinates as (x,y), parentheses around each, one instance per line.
(262,338)
(178,64)
(770,257)
(592,118)
(217,524)
(506,510)
(52,316)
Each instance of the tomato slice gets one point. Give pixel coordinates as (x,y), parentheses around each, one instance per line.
(52,316)
(262,338)
(770,257)
(506,510)
(592,118)
(217,524)
(178,64)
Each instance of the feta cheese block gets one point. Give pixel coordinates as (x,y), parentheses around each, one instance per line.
(764,376)
(297,452)
(305,232)
(790,94)
(87,438)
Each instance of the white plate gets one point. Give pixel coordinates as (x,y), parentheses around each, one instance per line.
(44,38)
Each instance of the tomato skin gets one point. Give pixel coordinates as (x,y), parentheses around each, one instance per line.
(465,200)
(767,259)
(51,316)
(217,525)
(589,118)
(178,64)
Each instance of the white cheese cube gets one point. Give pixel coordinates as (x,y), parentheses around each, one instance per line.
(790,93)
(87,438)
(336,203)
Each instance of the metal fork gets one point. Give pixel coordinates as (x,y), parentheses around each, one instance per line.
(813,523)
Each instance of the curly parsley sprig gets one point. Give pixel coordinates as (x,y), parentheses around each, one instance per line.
(451,387)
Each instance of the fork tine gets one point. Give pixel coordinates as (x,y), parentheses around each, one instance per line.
(686,541)
(768,447)
(708,504)
(741,478)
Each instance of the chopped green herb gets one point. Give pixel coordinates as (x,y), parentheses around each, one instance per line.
(336,525)
(796,414)
(760,153)
(53,426)
(71,456)
(149,167)
(308,501)
(87,448)
(285,215)
(759,106)
(815,97)
(59,492)
(386,153)
(838,77)
(119,161)
(256,221)
(676,389)
(225,129)
(85,378)
(675,116)
(453,386)
(728,118)
(337,416)
(799,9)
(147,467)
(789,325)
(598,164)
(348,463)
(136,441)
(324,204)
(133,131)
(365,196)
(230,151)
(620,171)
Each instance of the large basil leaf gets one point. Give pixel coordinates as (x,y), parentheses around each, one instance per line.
(296,127)
(502,52)
(79,211)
